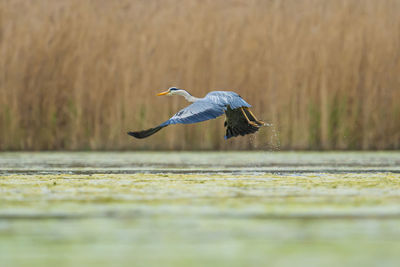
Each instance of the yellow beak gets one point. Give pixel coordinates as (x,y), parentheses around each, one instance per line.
(163,93)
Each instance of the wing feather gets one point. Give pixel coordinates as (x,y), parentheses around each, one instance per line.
(200,110)
(226,98)
(237,124)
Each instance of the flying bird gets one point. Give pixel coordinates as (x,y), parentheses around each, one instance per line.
(239,119)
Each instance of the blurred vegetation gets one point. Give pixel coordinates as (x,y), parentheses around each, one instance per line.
(79,74)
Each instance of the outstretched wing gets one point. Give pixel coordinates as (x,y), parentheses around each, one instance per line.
(237,124)
(226,99)
(200,110)
(146,133)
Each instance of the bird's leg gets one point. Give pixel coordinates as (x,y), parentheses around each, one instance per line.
(254,117)
(248,121)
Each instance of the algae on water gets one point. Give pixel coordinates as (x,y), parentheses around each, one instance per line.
(194,209)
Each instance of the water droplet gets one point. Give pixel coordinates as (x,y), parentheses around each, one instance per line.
(275,138)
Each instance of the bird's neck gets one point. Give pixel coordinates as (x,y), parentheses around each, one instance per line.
(188,96)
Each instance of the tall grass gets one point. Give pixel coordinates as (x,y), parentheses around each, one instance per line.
(79,74)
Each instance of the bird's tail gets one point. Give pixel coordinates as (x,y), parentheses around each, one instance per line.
(145,133)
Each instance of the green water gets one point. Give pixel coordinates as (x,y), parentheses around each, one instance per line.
(200,209)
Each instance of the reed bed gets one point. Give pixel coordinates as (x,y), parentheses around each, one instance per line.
(79,74)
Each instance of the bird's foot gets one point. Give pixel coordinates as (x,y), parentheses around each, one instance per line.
(260,123)
(252,123)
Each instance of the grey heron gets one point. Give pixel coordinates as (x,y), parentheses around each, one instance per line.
(239,119)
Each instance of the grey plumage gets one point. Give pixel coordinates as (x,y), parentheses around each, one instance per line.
(239,120)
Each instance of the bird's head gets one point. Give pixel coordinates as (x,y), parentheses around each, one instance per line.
(174,91)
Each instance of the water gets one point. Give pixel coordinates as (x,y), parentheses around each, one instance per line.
(200,208)
(275,140)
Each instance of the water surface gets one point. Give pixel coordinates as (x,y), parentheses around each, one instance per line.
(199,208)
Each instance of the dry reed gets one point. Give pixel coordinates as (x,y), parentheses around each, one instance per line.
(79,74)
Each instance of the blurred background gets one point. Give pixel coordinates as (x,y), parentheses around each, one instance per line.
(79,74)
